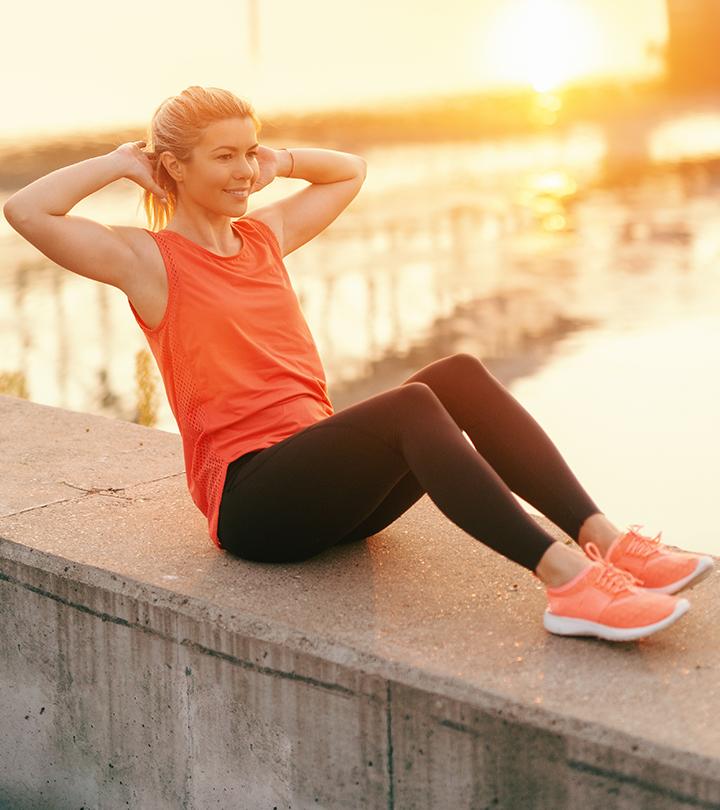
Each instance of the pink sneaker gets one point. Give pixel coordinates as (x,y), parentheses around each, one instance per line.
(656,566)
(603,601)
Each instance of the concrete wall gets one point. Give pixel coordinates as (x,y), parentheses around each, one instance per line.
(142,667)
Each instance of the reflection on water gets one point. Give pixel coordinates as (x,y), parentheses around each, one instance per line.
(595,306)
(690,135)
(634,410)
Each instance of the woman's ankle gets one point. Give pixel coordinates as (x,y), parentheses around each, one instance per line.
(599,530)
(559,564)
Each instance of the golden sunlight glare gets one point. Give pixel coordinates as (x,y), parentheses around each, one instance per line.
(542,43)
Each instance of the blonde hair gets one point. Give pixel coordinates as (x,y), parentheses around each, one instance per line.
(177,126)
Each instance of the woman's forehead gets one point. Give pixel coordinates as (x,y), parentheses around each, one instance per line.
(236,131)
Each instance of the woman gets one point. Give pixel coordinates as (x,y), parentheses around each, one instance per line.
(279,475)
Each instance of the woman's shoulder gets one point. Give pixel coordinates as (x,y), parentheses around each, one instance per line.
(269,220)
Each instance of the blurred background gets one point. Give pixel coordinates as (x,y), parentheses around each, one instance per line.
(541,192)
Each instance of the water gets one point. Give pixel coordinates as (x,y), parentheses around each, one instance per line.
(635,414)
(597,310)
(632,403)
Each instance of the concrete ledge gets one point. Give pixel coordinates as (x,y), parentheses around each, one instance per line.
(142,667)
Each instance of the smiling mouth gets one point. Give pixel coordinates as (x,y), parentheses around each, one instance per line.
(240,195)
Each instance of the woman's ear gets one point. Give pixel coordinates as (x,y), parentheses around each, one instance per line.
(172,165)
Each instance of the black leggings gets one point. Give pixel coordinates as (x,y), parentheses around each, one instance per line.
(351,474)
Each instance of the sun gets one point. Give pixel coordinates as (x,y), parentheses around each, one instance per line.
(541,43)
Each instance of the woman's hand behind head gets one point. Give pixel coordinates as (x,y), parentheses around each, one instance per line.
(268,165)
(140,166)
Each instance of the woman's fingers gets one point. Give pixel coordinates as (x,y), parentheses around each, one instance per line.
(143,173)
(157,190)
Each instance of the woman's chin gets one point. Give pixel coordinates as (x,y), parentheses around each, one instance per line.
(237,207)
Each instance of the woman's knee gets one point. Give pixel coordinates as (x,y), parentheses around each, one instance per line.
(458,366)
(414,395)
(415,400)
(466,363)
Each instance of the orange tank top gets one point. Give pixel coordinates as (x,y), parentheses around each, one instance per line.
(240,367)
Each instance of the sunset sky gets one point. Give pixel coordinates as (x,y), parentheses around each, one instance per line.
(74,65)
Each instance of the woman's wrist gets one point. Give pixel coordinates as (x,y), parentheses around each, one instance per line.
(285,162)
(317,165)
(122,160)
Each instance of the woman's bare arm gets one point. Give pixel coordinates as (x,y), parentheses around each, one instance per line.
(38,212)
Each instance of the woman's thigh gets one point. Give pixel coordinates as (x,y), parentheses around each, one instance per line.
(401,497)
(318,486)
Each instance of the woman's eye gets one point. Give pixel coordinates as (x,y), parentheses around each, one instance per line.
(251,154)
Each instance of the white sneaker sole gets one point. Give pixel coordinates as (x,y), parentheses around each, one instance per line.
(566,626)
(704,568)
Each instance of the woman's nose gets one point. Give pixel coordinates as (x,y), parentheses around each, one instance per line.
(244,168)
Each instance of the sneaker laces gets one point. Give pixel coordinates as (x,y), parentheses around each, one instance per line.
(611,578)
(640,545)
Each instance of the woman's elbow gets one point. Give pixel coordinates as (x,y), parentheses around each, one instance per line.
(12,212)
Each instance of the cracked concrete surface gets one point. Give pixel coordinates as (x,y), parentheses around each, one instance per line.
(93,456)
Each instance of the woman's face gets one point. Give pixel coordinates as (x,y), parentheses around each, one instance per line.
(225,160)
